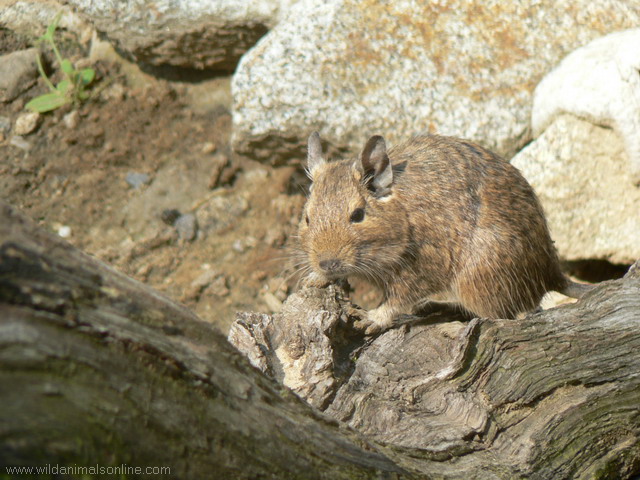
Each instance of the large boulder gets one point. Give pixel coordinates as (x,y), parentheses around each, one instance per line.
(580,172)
(601,83)
(31,18)
(461,67)
(183,33)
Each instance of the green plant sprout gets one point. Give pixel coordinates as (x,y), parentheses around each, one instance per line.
(71,89)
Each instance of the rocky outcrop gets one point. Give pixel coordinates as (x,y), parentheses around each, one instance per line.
(461,67)
(31,17)
(580,172)
(185,33)
(601,83)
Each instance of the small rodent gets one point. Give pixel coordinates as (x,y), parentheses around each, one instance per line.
(436,216)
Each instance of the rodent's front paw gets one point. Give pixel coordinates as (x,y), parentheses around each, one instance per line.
(361,318)
(367,325)
(371,322)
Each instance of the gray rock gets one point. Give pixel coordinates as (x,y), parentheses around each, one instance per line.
(18,71)
(19,142)
(352,69)
(31,18)
(183,33)
(580,173)
(599,82)
(187,226)
(137,179)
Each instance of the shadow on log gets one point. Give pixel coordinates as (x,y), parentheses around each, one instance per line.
(96,368)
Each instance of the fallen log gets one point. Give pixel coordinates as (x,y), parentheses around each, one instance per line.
(553,395)
(99,370)
(96,368)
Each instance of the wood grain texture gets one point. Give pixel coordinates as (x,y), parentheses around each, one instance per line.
(553,395)
(98,368)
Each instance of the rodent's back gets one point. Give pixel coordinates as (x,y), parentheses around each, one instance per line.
(486,216)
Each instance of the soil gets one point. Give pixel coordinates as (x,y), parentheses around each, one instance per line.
(70,175)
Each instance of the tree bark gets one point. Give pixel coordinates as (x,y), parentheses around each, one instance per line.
(550,396)
(96,368)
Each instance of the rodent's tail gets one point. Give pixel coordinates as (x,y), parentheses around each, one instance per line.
(576,290)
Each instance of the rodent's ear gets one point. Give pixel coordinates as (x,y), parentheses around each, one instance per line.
(315,158)
(376,167)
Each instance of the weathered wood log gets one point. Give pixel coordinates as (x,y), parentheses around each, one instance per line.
(553,395)
(98,368)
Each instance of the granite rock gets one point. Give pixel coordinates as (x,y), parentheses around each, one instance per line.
(599,82)
(579,171)
(31,18)
(351,69)
(183,33)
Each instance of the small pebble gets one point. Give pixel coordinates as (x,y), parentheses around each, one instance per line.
(136,180)
(64,231)
(208,147)
(21,143)
(71,119)
(170,215)
(114,92)
(26,123)
(187,226)
(205,279)
(5,124)
(238,246)
(272,302)
(218,164)
(219,287)
(259,275)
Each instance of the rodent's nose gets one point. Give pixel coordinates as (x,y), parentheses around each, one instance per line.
(330,265)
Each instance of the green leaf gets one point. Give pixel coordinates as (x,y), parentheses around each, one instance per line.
(87,75)
(47,102)
(51,29)
(67,67)
(63,87)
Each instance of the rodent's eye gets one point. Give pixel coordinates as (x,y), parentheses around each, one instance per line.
(306,219)
(357,215)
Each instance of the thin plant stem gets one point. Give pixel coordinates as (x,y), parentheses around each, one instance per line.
(43,74)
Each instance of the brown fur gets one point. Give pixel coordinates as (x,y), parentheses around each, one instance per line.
(457,221)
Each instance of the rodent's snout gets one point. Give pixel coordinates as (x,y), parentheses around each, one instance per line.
(332,267)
